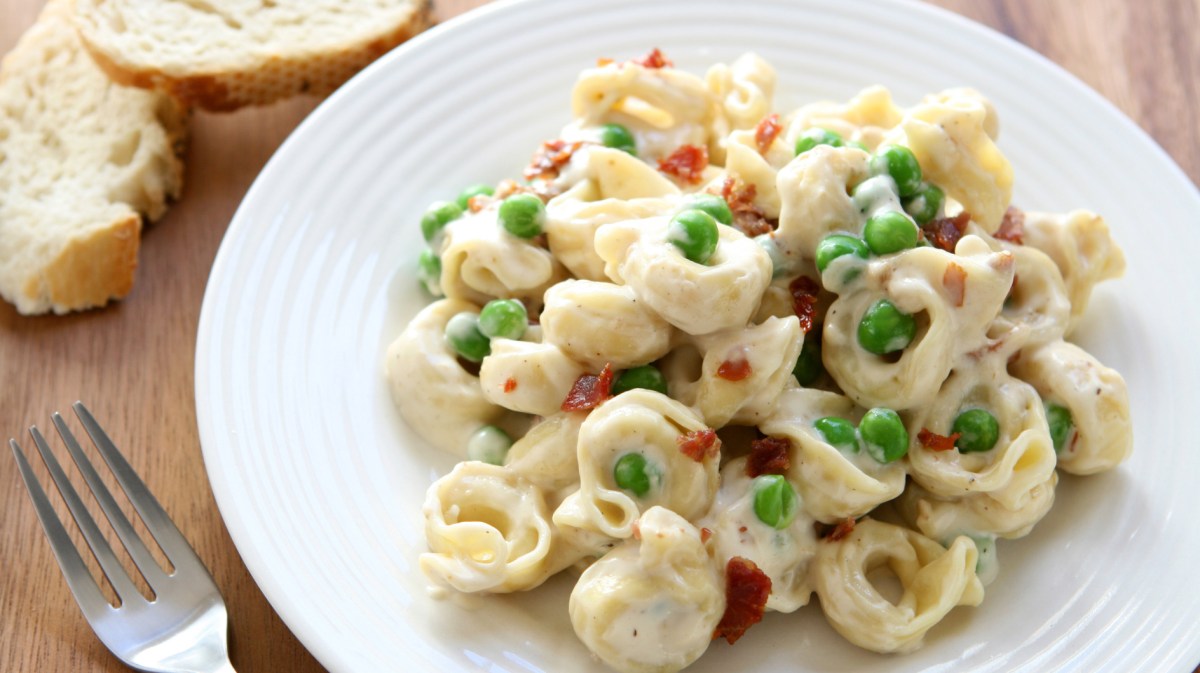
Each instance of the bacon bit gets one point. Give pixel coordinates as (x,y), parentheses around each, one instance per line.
(769,455)
(742,529)
(637,530)
(654,59)
(804,301)
(844,528)
(478,202)
(699,444)
(765,133)
(705,535)
(736,369)
(944,232)
(1012,227)
(686,163)
(747,217)
(935,442)
(507,188)
(746,592)
(954,279)
(603,61)
(1075,437)
(549,159)
(589,391)
(510,385)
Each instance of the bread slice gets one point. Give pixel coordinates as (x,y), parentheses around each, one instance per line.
(225,54)
(80,158)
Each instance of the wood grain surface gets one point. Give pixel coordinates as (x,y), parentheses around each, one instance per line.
(132,362)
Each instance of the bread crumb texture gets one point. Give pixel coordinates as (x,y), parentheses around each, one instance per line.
(81,160)
(226,54)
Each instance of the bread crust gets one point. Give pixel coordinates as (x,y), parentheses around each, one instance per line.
(93,268)
(84,156)
(273,78)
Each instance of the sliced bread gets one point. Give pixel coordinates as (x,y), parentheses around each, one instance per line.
(80,158)
(225,54)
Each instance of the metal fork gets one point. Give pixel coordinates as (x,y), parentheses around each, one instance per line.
(184,628)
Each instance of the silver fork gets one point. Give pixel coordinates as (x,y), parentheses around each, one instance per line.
(184,628)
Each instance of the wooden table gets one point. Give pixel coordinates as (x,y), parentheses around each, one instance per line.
(132,362)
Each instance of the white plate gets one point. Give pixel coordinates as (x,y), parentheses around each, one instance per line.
(320,483)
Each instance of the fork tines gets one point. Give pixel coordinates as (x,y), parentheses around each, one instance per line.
(169,539)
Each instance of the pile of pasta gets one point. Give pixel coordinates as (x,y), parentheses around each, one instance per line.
(860,366)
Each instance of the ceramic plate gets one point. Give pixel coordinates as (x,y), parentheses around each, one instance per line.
(321,483)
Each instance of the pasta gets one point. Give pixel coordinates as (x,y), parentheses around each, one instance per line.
(717,358)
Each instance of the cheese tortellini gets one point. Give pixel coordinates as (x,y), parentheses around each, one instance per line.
(707,348)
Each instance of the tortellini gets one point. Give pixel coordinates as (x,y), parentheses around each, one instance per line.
(488,530)
(646,424)
(709,347)
(934,580)
(696,298)
(437,397)
(598,323)
(651,604)
(952,317)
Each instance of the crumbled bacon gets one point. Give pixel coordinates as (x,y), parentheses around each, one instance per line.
(746,591)
(735,369)
(549,159)
(954,279)
(686,163)
(705,535)
(944,232)
(589,391)
(510,385)
(654,59)
(637,530)
(747,217)
(478,202)
(844,528)
(1012,227)
(769,455)
(935,442)
(507,188)
(765,133)
(699,444)
(804,301)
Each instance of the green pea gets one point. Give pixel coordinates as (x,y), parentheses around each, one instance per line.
(817,136)
(877,192)
(1061,424)
(926,203)
(437,216)
(890,232)
(838,432)
(781,264)
(836,245)
(480,189)
(634,474)
(503,318)
(775,501)
(645,376)
(808,366)
(900,163)
(694,232)
(978,431)
(522,215)
(618,137)
(884,435)
(489,444)
(462,332)
(885,329)
(712,204)
(429,271)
